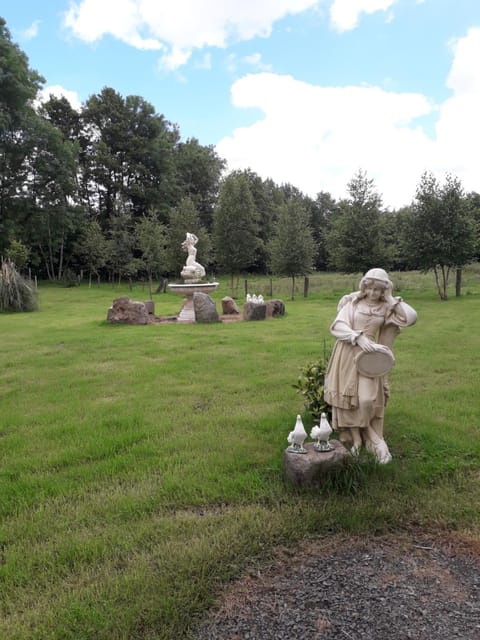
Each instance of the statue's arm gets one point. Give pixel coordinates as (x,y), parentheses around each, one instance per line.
(400,313)
(341,327)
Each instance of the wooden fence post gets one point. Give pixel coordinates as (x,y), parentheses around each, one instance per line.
(306,284)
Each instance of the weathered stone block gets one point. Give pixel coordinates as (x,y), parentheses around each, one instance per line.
(313,467)
(254,311)
(126,311)
(150,307)
(229,306)
(204,307)
(275,308)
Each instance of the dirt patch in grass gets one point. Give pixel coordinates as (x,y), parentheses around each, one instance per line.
(415,585)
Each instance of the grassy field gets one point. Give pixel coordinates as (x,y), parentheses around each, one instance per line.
(141,467)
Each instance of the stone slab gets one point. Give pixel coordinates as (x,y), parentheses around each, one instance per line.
(313,467)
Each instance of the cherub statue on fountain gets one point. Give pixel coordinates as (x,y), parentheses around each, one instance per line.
(192,271)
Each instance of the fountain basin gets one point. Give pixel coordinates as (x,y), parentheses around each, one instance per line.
(189,288)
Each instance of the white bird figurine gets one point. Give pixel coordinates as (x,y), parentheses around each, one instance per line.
(296,438)
(321,433)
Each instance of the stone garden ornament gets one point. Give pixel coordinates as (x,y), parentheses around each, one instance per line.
(321,434)
(197,305)
(356,382)
(297,437)
(193,271)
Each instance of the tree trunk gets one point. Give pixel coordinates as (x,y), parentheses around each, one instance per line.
(441,286)
(150,285)
(458,282)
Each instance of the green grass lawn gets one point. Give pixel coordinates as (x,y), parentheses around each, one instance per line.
(141,467)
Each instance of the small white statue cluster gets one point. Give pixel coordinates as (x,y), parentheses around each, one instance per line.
(254,299)
(320,433)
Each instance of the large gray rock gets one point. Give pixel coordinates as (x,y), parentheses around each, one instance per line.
(275,308)
(254,311)
(204,307)
(313,467)
(150,307)
(229,306)
(126,311)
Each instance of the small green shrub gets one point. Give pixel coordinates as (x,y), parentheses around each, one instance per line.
(310,384)
(16,294)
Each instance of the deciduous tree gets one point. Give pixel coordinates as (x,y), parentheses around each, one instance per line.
(152,243)
(235,227)
(292,247)
(442,233)
(354,240)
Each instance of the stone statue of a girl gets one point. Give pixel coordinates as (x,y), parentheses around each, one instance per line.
(356,385)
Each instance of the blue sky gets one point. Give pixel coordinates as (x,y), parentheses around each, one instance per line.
(302,91)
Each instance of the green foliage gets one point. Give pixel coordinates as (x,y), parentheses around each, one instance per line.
(152,241)
(18,87)
(16,294)
(92,248)
(349,478)
(18,253)
(199,170)
(235,226)
(121,241)
(311,384)
(442,233)
(292,247)
(354,240)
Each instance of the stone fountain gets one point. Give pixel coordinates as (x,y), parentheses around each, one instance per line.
(192,275)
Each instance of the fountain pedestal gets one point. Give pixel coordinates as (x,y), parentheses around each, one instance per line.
(187,312)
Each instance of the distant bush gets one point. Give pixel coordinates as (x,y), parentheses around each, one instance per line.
(16,293)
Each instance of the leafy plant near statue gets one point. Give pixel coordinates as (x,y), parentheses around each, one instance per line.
(310,384)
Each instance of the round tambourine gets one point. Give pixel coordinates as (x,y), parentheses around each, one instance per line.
(374,364)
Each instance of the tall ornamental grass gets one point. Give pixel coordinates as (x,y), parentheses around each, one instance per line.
(16,294)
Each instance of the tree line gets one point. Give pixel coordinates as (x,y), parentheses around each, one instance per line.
(111,189)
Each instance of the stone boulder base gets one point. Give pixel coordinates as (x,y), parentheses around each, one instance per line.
(150,307)
(126,311)
(275,308)
(229,306)
(252,311)
(313,467)
(205,309)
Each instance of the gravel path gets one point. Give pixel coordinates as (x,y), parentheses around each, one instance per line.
(409,587)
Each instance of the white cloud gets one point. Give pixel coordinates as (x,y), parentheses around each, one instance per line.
(31,32)
(457,129)
(318,137)
(59,92)
(255,60)
(180,26)
(344,14)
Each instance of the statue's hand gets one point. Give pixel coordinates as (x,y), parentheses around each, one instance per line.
(366,344)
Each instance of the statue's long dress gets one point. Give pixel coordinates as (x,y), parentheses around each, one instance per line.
(356,400)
